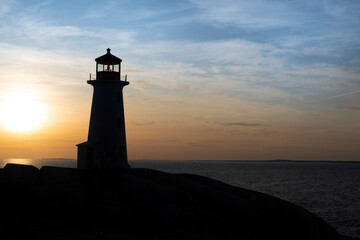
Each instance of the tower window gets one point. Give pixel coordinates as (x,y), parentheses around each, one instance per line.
(109,68)
(100,67)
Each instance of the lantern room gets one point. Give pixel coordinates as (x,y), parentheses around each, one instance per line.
(108,67)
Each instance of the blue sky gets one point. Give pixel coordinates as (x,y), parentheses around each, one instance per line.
(229,73)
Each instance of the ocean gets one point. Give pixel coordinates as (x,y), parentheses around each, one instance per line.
(329,189)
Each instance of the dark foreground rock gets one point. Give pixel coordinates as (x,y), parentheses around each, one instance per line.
(65,203)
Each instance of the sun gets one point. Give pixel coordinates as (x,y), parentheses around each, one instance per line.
(20,111)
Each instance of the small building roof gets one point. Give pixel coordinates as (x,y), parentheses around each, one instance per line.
(108,58)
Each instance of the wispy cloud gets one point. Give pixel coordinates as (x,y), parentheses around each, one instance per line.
(205,143)
(355,108)
(98,12)
(38,29)
(243,13)
(5,6)
(339,9)
(343,94)
(241,124)
(140,124)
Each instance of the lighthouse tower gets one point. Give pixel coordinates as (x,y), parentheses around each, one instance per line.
(106,145)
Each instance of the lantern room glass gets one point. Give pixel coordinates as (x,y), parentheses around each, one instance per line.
(108,67)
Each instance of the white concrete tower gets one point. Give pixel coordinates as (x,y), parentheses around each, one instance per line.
(106,145)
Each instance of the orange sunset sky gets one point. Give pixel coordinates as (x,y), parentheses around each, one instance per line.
(227,80)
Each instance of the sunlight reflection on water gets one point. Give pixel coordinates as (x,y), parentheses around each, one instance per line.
(16,161)
(56,162)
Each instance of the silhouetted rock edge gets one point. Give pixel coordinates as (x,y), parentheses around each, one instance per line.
(67,203)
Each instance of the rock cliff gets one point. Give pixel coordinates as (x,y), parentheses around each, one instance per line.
(66,203)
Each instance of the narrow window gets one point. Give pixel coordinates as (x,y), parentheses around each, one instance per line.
(100,68)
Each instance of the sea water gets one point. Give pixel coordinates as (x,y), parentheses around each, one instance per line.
(329,189)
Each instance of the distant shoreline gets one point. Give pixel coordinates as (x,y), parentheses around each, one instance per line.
(203,160)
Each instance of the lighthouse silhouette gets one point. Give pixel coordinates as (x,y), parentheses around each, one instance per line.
(106,145)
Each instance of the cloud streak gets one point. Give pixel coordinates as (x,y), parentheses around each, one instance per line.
(354,108)
(343,94)
(99,12)
(240,124)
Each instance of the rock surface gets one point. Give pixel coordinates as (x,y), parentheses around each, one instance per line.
(66,203)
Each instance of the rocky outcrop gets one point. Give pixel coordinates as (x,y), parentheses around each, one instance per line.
(65,203)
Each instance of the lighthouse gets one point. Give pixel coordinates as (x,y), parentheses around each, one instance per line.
(106,144)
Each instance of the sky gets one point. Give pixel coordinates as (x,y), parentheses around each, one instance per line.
(209,79)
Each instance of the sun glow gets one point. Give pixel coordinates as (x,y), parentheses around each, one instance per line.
(20,111)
